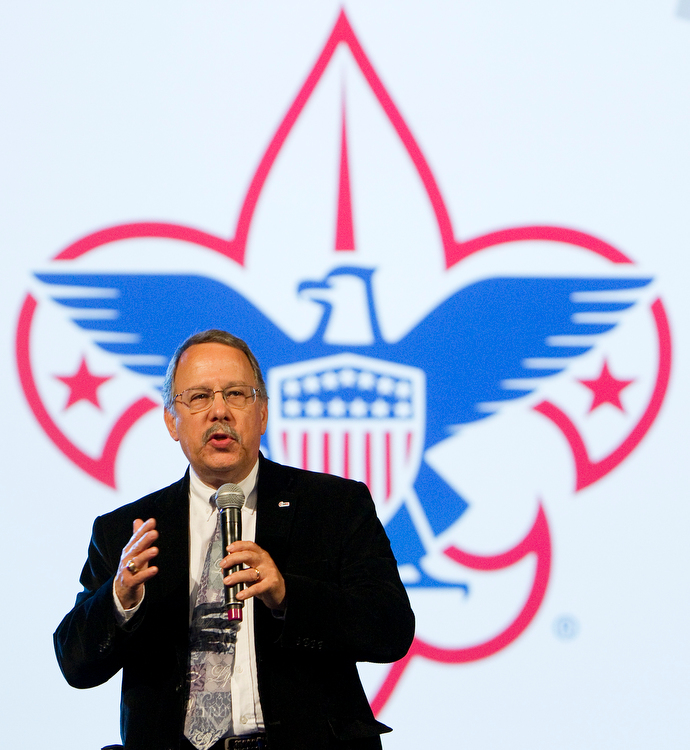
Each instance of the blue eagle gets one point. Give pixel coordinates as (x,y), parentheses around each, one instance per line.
(471,346)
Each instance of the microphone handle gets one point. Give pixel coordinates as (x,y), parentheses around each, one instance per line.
(231,531)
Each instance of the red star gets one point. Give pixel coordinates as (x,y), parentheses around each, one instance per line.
(606,389)
(82,385)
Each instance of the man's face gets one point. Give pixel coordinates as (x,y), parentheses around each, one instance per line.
(221,444)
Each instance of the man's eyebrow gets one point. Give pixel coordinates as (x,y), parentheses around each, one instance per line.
(208,387)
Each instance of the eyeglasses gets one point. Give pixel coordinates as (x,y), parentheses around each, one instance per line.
(201,399)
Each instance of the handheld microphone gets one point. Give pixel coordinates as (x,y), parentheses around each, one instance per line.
(229,500)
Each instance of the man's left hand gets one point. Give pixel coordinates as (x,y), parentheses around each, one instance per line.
(260,576)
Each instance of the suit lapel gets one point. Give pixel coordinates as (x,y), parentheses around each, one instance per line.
(172,522)
(276,506)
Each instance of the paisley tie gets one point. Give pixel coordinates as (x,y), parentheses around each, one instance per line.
(212,639)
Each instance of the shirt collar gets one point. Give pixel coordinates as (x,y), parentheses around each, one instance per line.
(200,493)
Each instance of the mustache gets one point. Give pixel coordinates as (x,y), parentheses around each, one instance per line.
(224,428)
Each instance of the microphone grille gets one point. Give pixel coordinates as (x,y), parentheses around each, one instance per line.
(229,496)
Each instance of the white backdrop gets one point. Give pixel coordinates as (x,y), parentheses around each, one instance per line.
(527,114)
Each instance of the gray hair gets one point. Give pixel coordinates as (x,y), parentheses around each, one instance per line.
(212,336)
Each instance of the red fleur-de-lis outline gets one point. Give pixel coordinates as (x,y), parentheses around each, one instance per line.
(537,541)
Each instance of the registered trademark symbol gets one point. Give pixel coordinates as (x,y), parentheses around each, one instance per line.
(566,627)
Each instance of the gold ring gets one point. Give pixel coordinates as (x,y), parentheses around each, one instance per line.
(258,575)
(132,568)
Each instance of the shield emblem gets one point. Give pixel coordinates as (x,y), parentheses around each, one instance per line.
(354,416)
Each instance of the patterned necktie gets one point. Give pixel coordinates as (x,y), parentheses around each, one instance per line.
(212,639)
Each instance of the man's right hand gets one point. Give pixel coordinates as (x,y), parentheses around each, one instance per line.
(138,553)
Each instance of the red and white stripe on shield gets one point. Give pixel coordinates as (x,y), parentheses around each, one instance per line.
(353,416)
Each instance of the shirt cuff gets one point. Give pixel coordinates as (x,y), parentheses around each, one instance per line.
(122,615)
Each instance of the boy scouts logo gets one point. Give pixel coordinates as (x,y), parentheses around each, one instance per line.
(453,377)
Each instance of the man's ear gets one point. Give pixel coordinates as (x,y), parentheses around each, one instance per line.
(264,416)
(170,423)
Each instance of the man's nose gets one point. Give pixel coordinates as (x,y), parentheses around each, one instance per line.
(219,407)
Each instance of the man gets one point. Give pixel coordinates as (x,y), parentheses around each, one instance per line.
(322,588)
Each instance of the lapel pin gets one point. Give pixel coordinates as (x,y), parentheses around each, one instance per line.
(283,504)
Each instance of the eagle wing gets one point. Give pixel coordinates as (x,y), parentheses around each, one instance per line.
(142,318)
(487,333)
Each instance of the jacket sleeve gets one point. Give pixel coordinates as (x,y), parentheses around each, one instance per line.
(343,588)
(89,642)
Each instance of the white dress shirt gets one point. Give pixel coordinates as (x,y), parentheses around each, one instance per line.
(203,517)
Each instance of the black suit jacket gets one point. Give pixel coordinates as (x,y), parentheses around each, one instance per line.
(345,604)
